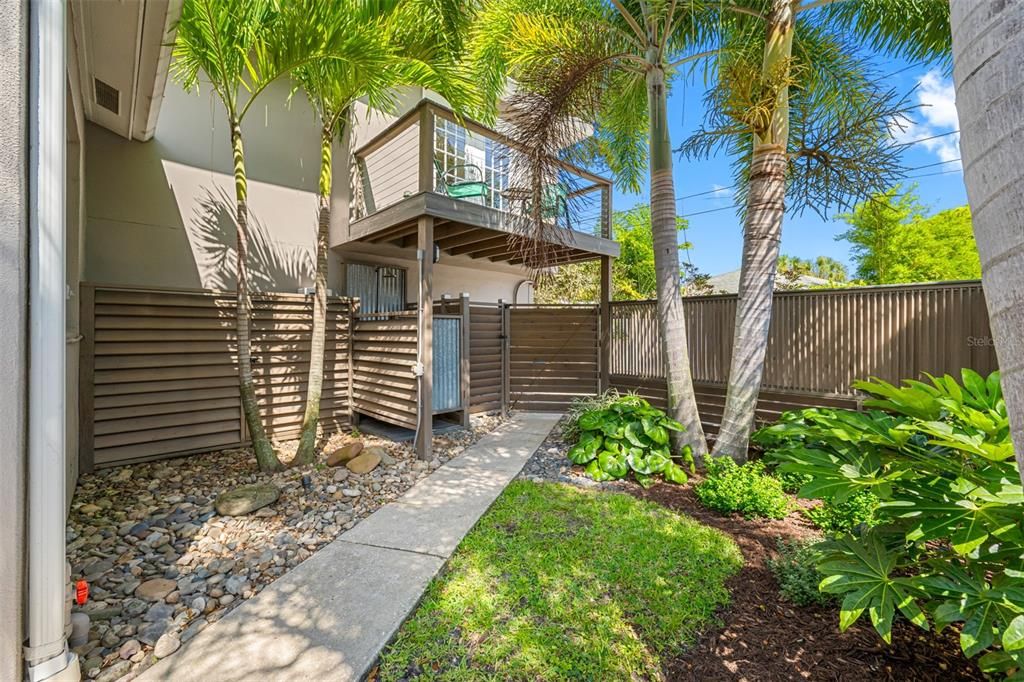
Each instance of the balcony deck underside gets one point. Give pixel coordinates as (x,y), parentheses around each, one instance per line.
(462,228)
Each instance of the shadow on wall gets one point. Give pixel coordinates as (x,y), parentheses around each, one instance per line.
(273,266)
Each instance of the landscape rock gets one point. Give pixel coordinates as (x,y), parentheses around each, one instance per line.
(158,537)
(246,499)
(364,463)
(155,589)
(166,645)
(344,453)
(129,649)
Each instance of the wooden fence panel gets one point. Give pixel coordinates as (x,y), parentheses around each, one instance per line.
(553,356)
(485,352)
(159,373)
(383,357)
(821,341)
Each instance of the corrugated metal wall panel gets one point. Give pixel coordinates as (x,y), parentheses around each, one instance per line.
(447,355)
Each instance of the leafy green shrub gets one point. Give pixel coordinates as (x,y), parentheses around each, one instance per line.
(838,518)
(796,571)
(948,546)
(580,406)
(729,487)
(791,482)
(625,434)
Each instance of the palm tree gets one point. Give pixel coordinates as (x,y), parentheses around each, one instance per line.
(611,63)
(796,102)
(229,41)
(987,54)
(413,43)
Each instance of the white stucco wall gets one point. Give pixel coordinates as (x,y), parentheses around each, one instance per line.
(13,297)
(160,213)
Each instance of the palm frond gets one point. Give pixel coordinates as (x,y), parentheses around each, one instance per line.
(917,30)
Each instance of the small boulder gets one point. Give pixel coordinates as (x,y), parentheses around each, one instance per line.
(166,645)
(155,589)
(344,453)
(129,649)
(364,463)
(246,499)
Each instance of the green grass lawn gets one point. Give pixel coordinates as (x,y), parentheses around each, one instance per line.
(560,583)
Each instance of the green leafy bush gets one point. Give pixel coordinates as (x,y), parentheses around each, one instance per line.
(796,570)
(729,487)
(857,512)
(948,546)
(791,482)
(625,434)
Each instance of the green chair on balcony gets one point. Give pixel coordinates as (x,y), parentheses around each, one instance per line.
(460,188)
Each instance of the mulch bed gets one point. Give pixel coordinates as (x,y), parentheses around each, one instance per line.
(767,638)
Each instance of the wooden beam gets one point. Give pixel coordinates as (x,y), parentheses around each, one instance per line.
(482,245)
(396,232)
(425,153)
(472,237)
(425,347)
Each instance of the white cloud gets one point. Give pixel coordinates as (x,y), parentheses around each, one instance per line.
(935,115)
(718,191)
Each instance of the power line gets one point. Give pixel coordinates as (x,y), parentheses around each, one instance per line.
(927,165)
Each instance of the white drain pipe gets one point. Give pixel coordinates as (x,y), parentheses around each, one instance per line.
(46,653)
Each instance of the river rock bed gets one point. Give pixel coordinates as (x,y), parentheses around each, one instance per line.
(162,564)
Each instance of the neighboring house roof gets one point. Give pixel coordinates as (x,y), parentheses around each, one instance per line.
(729,282)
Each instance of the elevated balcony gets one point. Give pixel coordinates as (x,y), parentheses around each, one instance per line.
(428,164)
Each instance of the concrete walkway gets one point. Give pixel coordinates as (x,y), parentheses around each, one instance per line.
(329,617)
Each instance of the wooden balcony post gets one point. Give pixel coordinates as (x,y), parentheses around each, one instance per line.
(425,153)
(605,323)
(464,351)
(425,401)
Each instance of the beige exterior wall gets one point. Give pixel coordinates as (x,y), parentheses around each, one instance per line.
(160,213)
(13,312)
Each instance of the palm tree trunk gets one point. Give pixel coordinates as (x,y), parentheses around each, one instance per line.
(762,231)
(987,58)
(307,438)
(266,458)
(682,403)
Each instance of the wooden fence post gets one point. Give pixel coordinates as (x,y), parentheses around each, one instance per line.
(353,310)
(503,308)
(604,326)
(425,402)
(464,373)
(86,378)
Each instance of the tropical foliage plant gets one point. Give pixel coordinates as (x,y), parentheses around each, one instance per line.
(241,47)
(628,435)
(592,80)
(798,105)
(404,42)
(948,545)
(746,489)
(795,569)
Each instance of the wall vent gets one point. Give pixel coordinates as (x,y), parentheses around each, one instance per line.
(107,96)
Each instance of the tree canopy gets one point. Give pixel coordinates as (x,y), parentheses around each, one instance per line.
(894,241)
(633,274)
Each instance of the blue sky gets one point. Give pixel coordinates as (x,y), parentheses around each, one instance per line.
(717,238)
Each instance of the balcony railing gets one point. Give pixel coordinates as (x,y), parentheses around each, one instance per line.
(430,150)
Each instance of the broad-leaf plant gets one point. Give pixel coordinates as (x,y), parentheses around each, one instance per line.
(948,546)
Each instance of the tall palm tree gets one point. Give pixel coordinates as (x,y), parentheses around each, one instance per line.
(987,58)
(610,63)
(229,42)
(414,42)
(797,103)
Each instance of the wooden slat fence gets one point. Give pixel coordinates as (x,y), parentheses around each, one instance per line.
(821,341)
(158,372)
(383,357)
(487,336)
(552,356)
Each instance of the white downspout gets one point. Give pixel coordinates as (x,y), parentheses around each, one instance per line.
(46,653)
